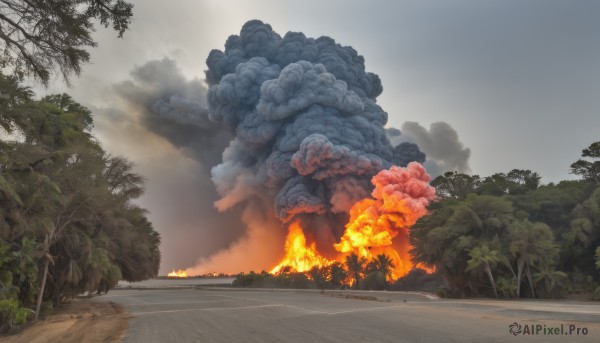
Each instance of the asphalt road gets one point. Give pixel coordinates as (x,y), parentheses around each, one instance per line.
(230,315)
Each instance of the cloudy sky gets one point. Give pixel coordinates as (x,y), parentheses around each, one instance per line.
(518,80)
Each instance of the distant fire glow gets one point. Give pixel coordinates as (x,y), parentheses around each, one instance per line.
(377,225)
(180,273)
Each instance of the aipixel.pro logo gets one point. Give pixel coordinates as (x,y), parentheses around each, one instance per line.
(547,330)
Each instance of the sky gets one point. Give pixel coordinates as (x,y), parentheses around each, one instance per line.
(517,80)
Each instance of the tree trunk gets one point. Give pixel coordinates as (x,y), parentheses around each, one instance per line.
(38,305)
(530,280)
(520,264)
(488,270)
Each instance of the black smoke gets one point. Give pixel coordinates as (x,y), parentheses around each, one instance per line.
(308,133)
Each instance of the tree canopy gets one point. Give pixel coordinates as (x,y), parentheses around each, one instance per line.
(68,223)
(507,234)
(39,37)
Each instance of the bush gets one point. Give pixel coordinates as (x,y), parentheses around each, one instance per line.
(374,281)
(418,280)
(596,294)
(47,307)
(12,314)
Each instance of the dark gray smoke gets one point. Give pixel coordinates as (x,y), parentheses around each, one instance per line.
(176,109)
(440,143)
(308,132)
(159,100)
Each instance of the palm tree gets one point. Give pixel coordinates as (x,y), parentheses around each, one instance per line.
(356,267)
(384,264)
(581,229)
(337,274)
(506,287)
(530,244)
(482,256)
(550,276)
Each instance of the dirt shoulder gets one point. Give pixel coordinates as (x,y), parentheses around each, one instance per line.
(83,320)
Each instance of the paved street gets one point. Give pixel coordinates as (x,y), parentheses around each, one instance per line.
(232,315)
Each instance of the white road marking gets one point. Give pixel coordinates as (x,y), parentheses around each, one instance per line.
(183,302)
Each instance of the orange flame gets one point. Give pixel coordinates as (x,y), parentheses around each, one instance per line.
(377,226)
(180,273)
(380,225)
(298,256)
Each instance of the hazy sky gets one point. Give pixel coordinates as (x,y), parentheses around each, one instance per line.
(518,80)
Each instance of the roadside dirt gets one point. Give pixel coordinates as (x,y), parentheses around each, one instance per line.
(81,321)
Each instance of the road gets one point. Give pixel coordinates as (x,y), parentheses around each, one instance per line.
(234,315)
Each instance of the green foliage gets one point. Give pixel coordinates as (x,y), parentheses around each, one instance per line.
(456,185)
(588,170)
(418,280)
(12,314)
(329,277)
(528,239)
(374,280)
(281,280)
(68,223)
(41,36)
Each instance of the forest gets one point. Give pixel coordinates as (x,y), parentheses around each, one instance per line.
(69,223)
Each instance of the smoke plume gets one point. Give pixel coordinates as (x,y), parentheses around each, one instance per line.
(440,143)
(308,133)
(163,117)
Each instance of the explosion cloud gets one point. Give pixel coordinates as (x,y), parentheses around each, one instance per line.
(308,133)
(288,132)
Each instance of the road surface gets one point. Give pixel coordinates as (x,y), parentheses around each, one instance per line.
(234,315)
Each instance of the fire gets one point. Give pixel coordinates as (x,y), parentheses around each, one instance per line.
(377,225)
(180,273)
(380,225)
(298,256)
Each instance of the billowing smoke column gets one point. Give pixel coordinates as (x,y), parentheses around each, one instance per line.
(309,135)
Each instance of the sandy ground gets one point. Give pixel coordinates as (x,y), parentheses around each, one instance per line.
(84,320)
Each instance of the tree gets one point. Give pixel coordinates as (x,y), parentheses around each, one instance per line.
(496,185)
(356,267)
(37,36)
(444,238)
(506,286)
(455,185)
(590,171)
(482,256)
(550,277)
(337,274)
(319,276)
(383,264)
(529,244)
(66,211)
(522,181)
